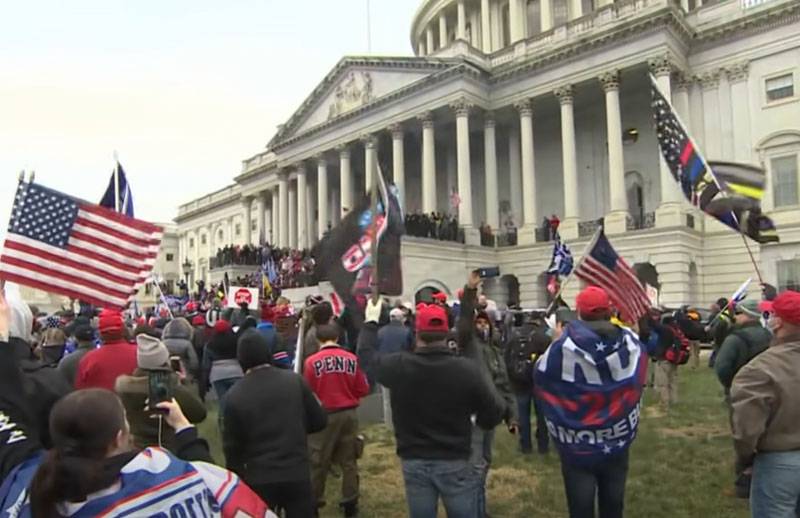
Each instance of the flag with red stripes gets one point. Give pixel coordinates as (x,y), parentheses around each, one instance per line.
(603,267)
(67,246)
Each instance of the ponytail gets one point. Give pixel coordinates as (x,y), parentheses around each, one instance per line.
(66,478)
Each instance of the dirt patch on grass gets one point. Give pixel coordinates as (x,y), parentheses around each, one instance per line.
(707,431)
(654,412)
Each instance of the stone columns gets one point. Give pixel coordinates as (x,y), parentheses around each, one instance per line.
(515,174)
(399,163)
(370,161)
(283,209)
(276,218)
(575,9)
(490,166)
(569,225)
(428,164)
(546,14)
(725,115)
(292,215)
(616,220)
(345,180)
(442,30)
(712,121)
(429,40)
(462,109)
(528,168)
(680,99)
(261,224)
(515,22)
(421,48)
(461,27)
(740,104)
(247,214)
(302,207)
(322,196)
(486,28)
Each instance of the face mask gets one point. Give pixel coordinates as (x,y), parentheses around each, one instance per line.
(484,334)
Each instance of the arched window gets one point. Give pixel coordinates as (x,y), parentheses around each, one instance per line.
(634,187)
(780,156)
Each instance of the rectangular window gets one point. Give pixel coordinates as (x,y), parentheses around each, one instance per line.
(191,242)
(203,239)
(238,229)
(534,17)
(780,87)
(170,258)
(789,275)
(253,225)
(170,287)
(560,12)
(784,179)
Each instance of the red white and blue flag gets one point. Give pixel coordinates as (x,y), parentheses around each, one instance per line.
(74,248)
(603,267)
(589,386)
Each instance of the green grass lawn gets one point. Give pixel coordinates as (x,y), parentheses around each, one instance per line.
(681,465)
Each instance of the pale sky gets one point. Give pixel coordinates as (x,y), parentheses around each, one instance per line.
(183,91)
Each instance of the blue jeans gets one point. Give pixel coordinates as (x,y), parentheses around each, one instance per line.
(775,489)
(454,481)
(481,460)
(524,401)
(604,481)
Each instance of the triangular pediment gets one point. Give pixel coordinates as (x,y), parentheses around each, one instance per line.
(355,83)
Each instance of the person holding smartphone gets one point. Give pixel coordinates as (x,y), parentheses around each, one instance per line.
(154,375)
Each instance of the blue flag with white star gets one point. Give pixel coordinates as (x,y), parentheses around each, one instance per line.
(589,387)
(119,188)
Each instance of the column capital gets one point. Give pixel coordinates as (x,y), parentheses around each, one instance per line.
(247,201)
(426,118)
(320,159)
(368,140)
(396,130)
(709,79)
(609,80)
(681,81)
(344,150)
(300,167)
(661,65)
(738,71)
(564,94)
(488,119)
(524,107)
(462,107)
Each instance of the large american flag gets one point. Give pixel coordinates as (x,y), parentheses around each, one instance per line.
(67,246)
(603,267)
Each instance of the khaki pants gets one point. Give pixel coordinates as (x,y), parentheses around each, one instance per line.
(667,382)
(336,444)
(695,353)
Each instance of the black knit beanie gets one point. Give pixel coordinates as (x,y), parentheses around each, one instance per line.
(253,350)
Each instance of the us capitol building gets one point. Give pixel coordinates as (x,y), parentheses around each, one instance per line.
(528,108)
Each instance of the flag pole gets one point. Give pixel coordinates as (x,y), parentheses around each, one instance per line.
(561,288)
(162,297)
(374,237)
(116,183)
(713,177)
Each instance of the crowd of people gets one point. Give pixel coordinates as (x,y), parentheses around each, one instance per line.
(435,225)
(107,398)
(286,268)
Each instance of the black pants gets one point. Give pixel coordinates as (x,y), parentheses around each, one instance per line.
(605,481)
(293,497)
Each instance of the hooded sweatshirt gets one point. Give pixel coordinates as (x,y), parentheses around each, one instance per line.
(219,360)
(589,383)
(177,336)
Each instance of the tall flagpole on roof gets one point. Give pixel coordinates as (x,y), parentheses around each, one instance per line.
(369,30)
(117,208)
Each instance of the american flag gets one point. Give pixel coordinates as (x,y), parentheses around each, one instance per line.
(603,267)
(67,246)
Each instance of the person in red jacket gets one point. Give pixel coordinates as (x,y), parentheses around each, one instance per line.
(336,378)
(101,367)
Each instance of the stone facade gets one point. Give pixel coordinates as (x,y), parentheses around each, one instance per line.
(530,109)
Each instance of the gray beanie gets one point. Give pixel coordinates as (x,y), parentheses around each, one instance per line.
(151,353)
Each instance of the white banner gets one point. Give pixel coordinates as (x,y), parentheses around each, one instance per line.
(239,294)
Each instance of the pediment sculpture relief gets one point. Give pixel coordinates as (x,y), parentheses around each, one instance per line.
(354,91)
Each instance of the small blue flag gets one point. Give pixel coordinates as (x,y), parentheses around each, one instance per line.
(118,187)
(562,262)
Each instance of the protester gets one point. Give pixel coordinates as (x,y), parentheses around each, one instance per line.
(765,398)
(593,445)
(145,427)
(321,314)
(676,353)
(271,455)
(720,323)
(84,334)
(177,336)
(220,366)
(434,395)
(54,343)
(336,378)
(521,353)
(392,338)
(281,357)
(745,341)
(476,341)
(688,321)
(101,367)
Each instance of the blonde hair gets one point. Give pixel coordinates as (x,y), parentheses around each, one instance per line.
(53,336)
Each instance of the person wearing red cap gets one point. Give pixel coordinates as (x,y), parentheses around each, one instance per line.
(101,367)
(434,396)
(765,400)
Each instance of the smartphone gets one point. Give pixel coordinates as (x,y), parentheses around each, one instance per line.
(175,363)
(488,272)
(159,387)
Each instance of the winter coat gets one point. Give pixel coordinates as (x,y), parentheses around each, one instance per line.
(101,368)
(395,337)
(177,336)
(742,344)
